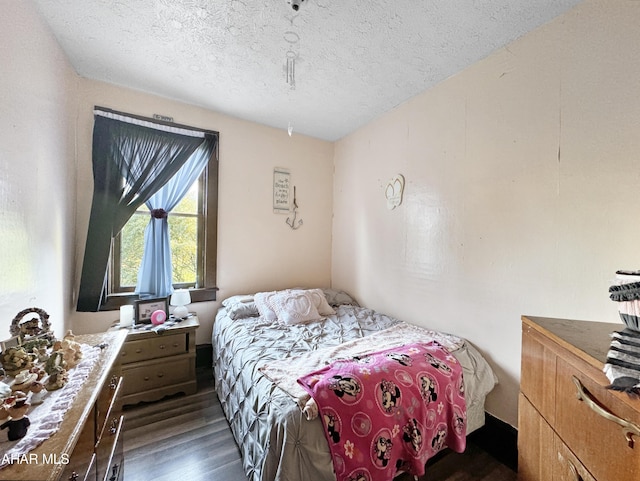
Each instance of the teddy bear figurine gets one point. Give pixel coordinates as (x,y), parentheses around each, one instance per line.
(16,407)
(71,350)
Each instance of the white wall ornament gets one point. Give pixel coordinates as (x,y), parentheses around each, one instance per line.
(393,191)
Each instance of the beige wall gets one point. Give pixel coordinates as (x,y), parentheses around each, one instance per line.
(521,175)
(37,175)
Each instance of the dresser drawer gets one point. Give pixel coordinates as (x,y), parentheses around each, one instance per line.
(537,378)
(157,374)
(153,348)
(81,465)
(109,452)
(107,403)
(585,421)
(569,466)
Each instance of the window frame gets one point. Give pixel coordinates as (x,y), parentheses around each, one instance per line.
(207,237)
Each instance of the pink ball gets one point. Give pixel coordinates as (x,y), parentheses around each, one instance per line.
(158,317)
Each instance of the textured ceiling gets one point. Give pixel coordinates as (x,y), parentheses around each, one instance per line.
(354,59)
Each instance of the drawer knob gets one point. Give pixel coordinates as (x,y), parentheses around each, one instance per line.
(114,426)
(162,346)
(138,351)
(629,429)
(574,472)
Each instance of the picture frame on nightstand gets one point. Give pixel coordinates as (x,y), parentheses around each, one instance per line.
(146,307)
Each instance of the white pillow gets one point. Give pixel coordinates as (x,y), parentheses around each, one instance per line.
(242,310)
(265,305)
(237,299)
(320,301)
(294,307)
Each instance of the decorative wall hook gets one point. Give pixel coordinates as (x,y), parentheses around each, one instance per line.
(393,191)
(294,223)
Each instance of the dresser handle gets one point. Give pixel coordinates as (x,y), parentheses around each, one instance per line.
(114,426)
(574,472)
(629,429)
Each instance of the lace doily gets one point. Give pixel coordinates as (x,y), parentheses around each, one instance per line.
(46,417)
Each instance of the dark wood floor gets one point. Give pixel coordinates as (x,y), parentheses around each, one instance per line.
(187,437)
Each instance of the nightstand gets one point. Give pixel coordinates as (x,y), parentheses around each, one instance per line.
(158,362)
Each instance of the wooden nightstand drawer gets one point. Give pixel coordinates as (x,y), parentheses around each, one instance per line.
(155,365)
(161,346)
(156,374)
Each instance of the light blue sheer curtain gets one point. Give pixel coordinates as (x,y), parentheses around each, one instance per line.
(155,274)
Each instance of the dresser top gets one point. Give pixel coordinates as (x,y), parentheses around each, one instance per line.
(589,340)
(148,330)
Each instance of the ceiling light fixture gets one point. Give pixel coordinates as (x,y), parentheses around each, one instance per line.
(291,72)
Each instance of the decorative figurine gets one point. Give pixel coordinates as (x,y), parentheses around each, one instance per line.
(71,350)
(57,379)
(16,407)
(15,359)
(28,328)
(23,381)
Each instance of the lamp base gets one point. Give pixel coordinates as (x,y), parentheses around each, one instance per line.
(180,311)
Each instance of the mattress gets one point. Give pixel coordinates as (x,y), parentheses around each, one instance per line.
(276,440)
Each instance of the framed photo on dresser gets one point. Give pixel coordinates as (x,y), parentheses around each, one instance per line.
(146,307)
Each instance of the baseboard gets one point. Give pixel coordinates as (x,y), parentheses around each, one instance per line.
(499,439)
(204,356)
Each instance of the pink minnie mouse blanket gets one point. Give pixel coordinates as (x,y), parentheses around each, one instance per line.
(390,411)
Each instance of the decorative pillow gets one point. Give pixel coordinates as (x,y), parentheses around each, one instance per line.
(243,310)
(265,306)
(337,297)
(320,301)
(240,298)
(294,307)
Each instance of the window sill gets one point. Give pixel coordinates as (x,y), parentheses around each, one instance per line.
(114,301)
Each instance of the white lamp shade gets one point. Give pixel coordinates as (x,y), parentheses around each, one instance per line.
(180,298)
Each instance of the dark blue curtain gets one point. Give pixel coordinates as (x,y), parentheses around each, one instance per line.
(132,159)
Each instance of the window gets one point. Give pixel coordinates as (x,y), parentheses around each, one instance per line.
(193,234)
(186,220)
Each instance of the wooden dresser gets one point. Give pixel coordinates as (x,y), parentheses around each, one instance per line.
(158,363)
(88,443)
(571,428)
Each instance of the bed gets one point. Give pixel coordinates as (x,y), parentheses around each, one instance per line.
(278,437)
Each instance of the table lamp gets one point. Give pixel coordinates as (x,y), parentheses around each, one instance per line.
(180,298)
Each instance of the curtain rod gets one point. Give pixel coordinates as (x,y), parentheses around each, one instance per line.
(155,121)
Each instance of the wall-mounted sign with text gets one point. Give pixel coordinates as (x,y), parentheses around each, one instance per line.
(281,191)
